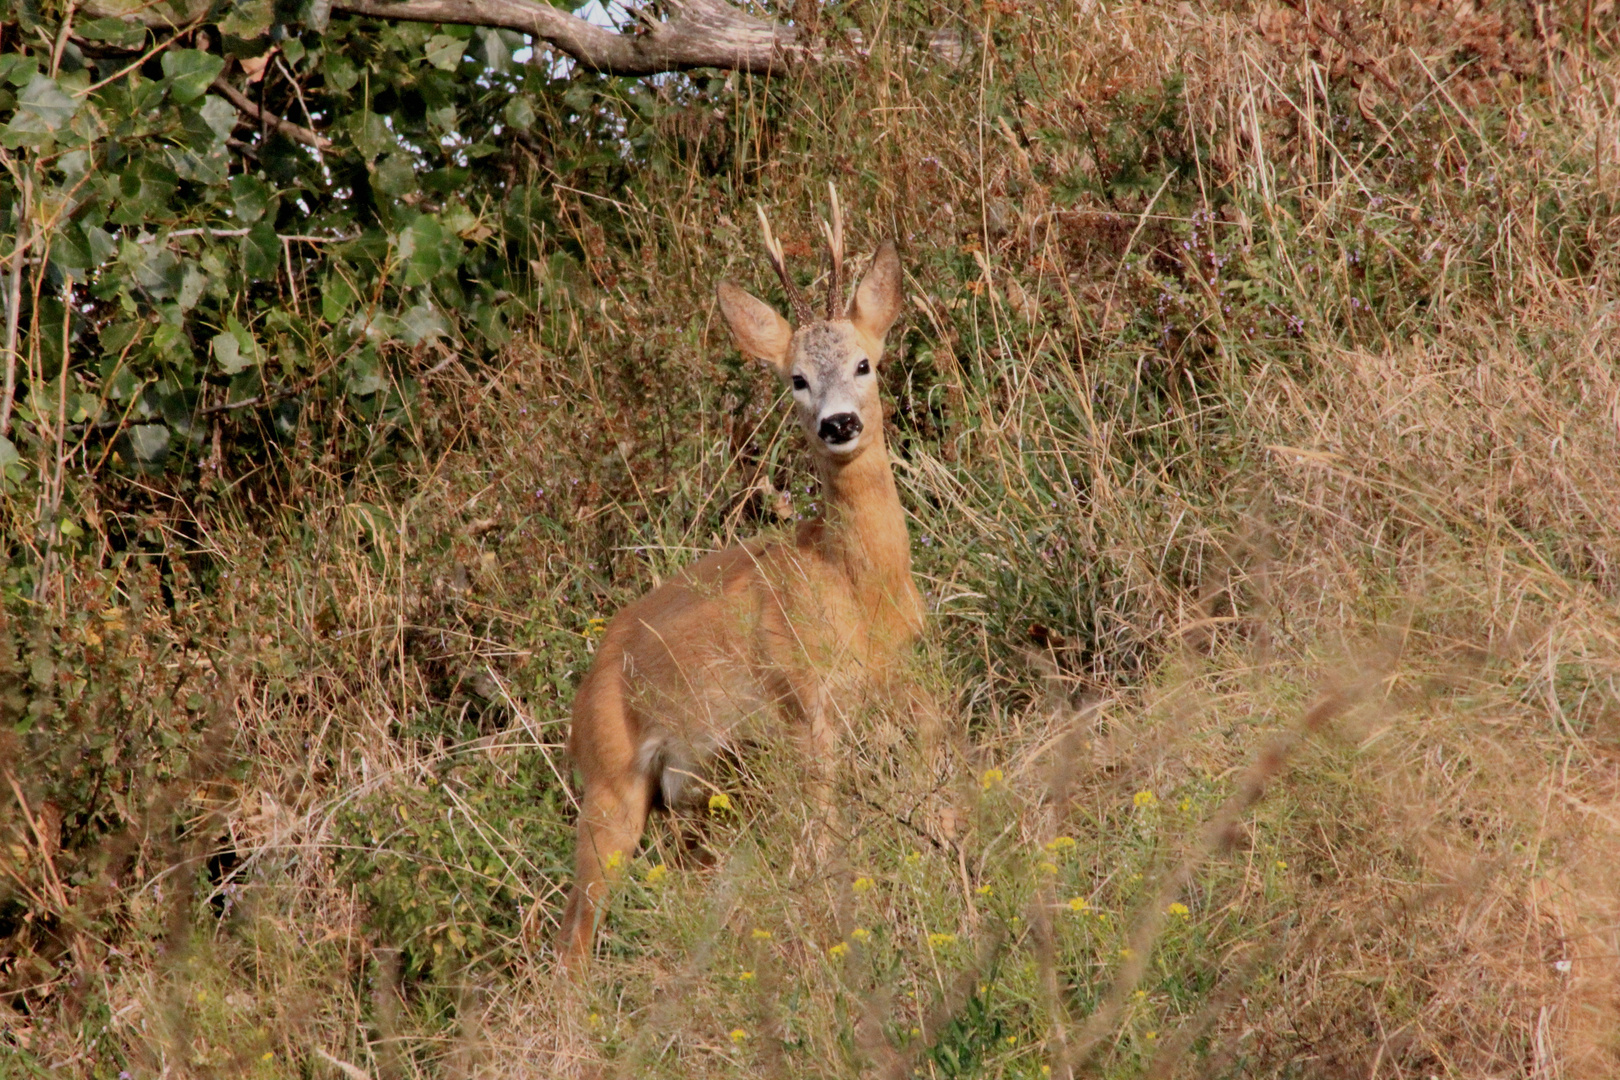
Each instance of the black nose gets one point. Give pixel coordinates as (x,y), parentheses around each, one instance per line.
(839,429)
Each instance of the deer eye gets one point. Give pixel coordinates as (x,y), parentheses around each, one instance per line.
(799,383)
(863,368)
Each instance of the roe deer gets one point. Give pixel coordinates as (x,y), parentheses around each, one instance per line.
(788,629)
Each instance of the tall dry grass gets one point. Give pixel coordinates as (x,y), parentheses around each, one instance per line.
(1258,417)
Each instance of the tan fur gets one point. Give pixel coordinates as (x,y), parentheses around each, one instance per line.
(765,632)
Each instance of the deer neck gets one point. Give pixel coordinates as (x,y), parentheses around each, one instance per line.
(865,533)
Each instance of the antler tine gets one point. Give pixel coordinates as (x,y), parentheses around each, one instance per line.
(835,248)
(773,250)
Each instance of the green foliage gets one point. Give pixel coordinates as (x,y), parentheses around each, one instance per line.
(442,870)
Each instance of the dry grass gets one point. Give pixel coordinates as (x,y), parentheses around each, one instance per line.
(1262,438)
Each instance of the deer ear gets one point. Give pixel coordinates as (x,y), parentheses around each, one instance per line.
(759,330)
(877,299)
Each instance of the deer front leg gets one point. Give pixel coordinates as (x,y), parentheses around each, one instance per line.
(611,820)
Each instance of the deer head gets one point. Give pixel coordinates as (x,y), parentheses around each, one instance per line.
(830,363)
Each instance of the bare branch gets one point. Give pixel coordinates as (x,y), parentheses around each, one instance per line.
(246,107)
(699,33)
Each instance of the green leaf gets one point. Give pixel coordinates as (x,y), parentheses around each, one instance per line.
(17,68)
(336,296)
(8,452)
(228,353)
(370,133)
(519,113)
(422,248)
(250,197)
(421,323)
(364,375)
(248,18)
(261,252)
(220,116)
(341,74)
(395,175)
(42,109)
(444,52)
(190,72)
(148,443)
(112,31)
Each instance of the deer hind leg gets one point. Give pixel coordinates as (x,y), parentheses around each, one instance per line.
(612,818)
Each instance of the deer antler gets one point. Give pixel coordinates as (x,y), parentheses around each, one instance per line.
(835,248)
(773,250)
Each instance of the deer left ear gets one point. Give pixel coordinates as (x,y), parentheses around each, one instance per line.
(759,330)
(877,299)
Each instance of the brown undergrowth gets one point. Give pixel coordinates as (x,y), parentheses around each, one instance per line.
(1257,413)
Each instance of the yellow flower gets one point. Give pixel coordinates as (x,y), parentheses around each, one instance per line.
(1282,865)
(1178,910)
(658,873)
(738,1035)
(1012,1040)
(1126,954)
(1046,1070)
(1061,843)
(1151,1035)
(746,976)
(935,941)
(593,628)
(1185,805)
(267,1055)
(1141,995)
(614,861)
(839,951)
(595,1019)
(916,1031)
(990,778)
(1144,798)
(1078,903)
(913,858)
(861,934)
(1047,867)
(719,801)
(863,884)
(760,935)
(984,890)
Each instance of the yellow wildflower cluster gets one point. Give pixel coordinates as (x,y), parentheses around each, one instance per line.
(861,934)
(760,935)
(1178,910)
(863,884)
(655,874)
(1078,903)
(936,941)
(719,801)
(1060,844)
(839,951)
(990,778)
(1144,798)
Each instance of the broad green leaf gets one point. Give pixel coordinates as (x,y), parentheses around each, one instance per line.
(114,32)
(444,52)
(42,109)
(422,249)
(148,443)
(336,296)
(8,452)
(192,283)
(228,353)
(370,133)
(250,197)
(394,175)
(220,116)
(17,69)
(190,72)
(261,252)
(341,74)
(519,112)
(364,374)
(421,323)
(248,18)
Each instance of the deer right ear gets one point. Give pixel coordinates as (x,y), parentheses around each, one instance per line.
(759,330)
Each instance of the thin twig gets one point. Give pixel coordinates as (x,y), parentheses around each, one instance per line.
(270,119)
